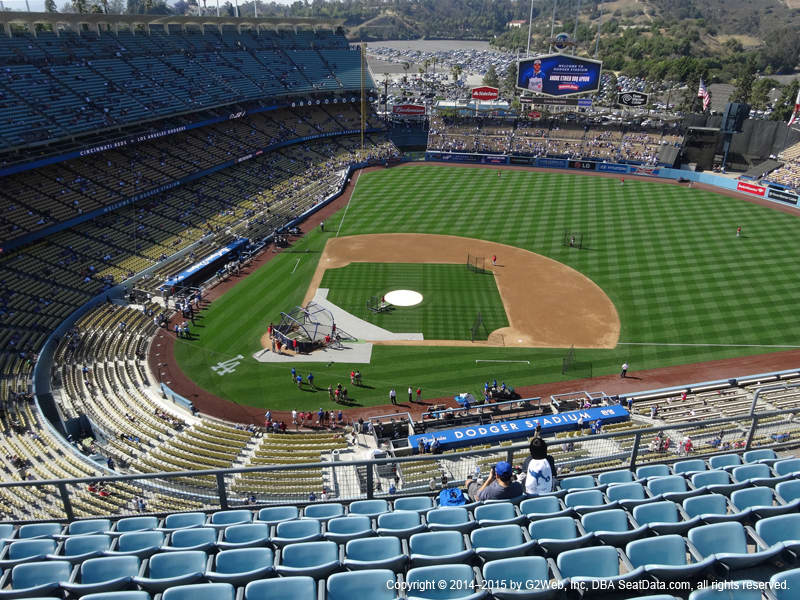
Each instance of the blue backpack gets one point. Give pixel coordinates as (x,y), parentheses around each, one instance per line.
(452,497)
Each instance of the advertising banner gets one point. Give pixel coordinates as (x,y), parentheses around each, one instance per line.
(449,157)
(652,171)
(485,92)
(782,195)
(552,163)
(612,168)
(494,160)
(559,75)
(632,99)
(520,160)
(582,102)
(408,110)
(584,165)
(751,188)
(460,437)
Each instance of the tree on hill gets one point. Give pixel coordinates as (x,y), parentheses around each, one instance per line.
(785,104)
(744,82)
(50,6)
(759,95)
(491,78)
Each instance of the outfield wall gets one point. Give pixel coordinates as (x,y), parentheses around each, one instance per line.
(747,188)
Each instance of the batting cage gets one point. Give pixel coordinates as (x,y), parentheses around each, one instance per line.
(478,330)
(572,239)
(311,326)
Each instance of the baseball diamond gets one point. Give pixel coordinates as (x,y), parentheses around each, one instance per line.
(663,260)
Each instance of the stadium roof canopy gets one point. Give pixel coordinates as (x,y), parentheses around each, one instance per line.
(95,20)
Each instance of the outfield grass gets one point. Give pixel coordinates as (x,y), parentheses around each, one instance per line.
(685,286)
(452,298)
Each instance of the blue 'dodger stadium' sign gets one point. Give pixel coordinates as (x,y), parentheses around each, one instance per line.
(520,428)
(558,75)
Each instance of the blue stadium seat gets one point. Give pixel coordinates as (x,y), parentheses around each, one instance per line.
(647,471)
(130,524)
(343,529)
(672,487)
(585,565)
(375,553)
(438,548)
(587,501)
(789,491)
(400,523)
(294,532)
(450,518)
(225,518)
(88,527)
(612,527)
(183,521)
(377,584)
(38,530)
(36,579)
(664,557)
(369,508)
(423,582)
(501,541)
(414,503)
(7,532)
(129,595)
(201,591)
(557,534)
(759,501)
(754,474)
(138,543)
(23,551)
(248,535)
(693,465)
(519,578)
(620,476)
(283,588)
(169,569)
(788,466)
(107,574)
(497,513)
(724,461)
(577,482)
(196,538)
(663,518)
(711,508)
(272,515)
(782,529)
(763,455)
(314,559)
(727,543)
(627,495)
(545,507)
(241,565)
(79,548)
(744,591)
(323,512)
(785,584)
(716,481)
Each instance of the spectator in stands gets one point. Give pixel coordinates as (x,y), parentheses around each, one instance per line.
(539,468)
(498,486)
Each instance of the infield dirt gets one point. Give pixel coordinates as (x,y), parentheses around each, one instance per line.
(548,304)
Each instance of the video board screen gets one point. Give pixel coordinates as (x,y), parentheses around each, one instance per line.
(559,75)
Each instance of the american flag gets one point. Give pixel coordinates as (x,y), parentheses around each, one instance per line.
(702,92)
(796,112)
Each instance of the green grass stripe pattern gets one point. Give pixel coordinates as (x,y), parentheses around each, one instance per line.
(666,255)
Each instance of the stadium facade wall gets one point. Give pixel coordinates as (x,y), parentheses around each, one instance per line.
(759,138)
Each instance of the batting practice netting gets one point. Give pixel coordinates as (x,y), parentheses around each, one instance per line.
(478,330)
(476,264)
(573,367)
(572,239)
(312,326)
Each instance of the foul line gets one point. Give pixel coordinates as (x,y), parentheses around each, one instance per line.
(349,200)
(708,345)
(478,360)
(295,265)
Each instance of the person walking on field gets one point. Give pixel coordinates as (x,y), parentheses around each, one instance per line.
(494,260)
(410,394)
(739,231)
(624,372)
(393,396)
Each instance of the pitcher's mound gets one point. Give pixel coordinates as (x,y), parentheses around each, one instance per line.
(403,297)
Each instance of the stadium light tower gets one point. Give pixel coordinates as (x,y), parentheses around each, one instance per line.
(530,31)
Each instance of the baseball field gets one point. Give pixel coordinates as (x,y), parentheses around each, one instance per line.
(662,279)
